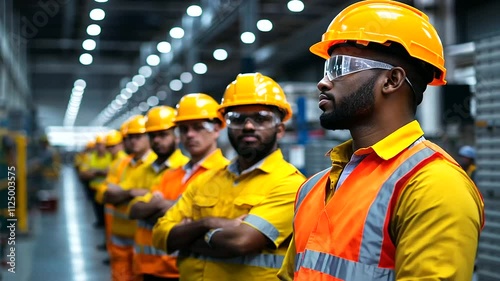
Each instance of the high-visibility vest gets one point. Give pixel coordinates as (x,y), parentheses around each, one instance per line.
(349,238)
(150,260)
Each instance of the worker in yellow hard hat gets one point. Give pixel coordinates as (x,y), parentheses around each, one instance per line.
(234,223)
(95,171)
(160,128)
(122,228)
(393,205)
(115,142)
(199,125)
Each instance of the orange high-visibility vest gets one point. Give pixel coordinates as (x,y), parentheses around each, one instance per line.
(114,176)
(348,237)
(150,260)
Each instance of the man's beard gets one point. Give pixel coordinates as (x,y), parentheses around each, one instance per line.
(351,108)
(250,153)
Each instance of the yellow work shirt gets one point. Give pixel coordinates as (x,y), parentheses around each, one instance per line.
(99,163)
(437,220)
(265,192)
(122,226)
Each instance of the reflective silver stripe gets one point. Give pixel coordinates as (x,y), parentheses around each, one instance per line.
(150,250)
(344,269)
(109,210)
(120,215)
(373,233)
(121,241)
(298,260)
(307,186)
(144,224)
(263,226)
(260,260)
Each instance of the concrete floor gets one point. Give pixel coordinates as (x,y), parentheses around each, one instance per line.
(61,245)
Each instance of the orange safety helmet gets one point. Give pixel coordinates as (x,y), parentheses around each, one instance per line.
(136,125)
(383,22)
(113,138)
(197,106)
(160,118)
(255,88)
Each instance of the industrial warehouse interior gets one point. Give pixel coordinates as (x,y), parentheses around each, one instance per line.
(73,71)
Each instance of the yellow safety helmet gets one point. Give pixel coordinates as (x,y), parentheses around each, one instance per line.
(160,118)
(113,138)
(136,125)
(383,22)
(255,88)
(197,106)
(124,128)
(99,139)
(90,145)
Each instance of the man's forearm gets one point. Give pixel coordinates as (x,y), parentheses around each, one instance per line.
(182,236)
(143,210)
(201,247)
(116,197)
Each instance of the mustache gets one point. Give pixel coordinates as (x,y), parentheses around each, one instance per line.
(248,135)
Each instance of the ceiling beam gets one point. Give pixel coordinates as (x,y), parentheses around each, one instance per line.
(63,65)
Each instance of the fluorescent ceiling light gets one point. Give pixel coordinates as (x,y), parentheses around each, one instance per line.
(194,11)
(93,30)
(97,14)
(164,47)
(89,44)
(86,59)
(295,6)
(247,37)
(177,32)
(200,68)
(153,60)
(264,25)
(220,54)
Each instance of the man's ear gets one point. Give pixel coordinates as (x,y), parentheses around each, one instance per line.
(280,130)
(394,80)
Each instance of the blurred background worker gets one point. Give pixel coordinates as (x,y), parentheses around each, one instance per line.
(160,128)
(122,228)
(234,223)
(199,125)
(393,205)
(114,145)
(95,170)
(467,159)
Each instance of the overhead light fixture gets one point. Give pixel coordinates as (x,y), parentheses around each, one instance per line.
(101,1)
(139,80)
(89,44)
(186,77)
(86,59)
(80,83)
(93,30)
(153,101)
(220,54)
(145,71)
(132,87)
(164,47)
(143,107)
(125,93)
(97,14)
(176,32)
(161,95)
(247,37)
(194,11)
(200,68)
(264,25)
(295,6)
(153,60)
(175,85)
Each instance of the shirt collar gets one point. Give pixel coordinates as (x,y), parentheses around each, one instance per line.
(396,142)
(142,159)
(171,160)
(267,165)
(208,162)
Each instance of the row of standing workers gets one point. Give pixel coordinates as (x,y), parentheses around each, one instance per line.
(393,205)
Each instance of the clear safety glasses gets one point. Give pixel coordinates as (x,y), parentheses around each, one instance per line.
(197,127)
(260,120)
(338,66)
